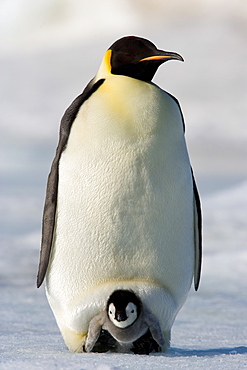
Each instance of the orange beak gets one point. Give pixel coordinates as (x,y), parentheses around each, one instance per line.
(156,57)
(167,55)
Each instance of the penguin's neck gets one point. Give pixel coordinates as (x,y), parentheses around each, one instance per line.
(130,104)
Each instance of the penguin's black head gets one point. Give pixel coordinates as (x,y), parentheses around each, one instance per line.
(138,58)
(123,308)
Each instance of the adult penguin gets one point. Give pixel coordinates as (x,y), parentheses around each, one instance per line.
(122,210)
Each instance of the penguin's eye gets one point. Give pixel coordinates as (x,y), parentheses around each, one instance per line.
(110,312)
(132,311)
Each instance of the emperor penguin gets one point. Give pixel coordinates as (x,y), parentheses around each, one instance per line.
(122,209)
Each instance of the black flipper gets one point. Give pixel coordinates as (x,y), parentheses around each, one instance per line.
(197,219)
(49,213)
(198,234)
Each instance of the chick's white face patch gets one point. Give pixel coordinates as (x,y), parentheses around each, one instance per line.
(130,312)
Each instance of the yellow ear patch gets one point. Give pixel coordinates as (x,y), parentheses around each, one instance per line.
(107,60)
(105,67)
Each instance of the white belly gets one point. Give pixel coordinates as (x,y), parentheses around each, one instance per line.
(125,202)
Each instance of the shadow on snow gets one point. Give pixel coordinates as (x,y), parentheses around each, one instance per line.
(211,352)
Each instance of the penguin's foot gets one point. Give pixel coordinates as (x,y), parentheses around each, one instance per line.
(105,343)
(145,345)
(142,346)
(74,341)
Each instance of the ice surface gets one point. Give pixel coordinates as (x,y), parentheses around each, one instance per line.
(49,51)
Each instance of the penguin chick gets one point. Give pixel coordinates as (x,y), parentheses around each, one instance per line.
(126,319)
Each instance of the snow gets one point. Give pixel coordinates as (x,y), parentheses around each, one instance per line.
(48,54)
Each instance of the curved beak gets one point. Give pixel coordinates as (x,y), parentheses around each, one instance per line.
(163,55)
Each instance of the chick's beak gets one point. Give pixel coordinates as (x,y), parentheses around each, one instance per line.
(120,316)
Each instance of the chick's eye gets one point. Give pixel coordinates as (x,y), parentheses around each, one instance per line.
(132,311)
